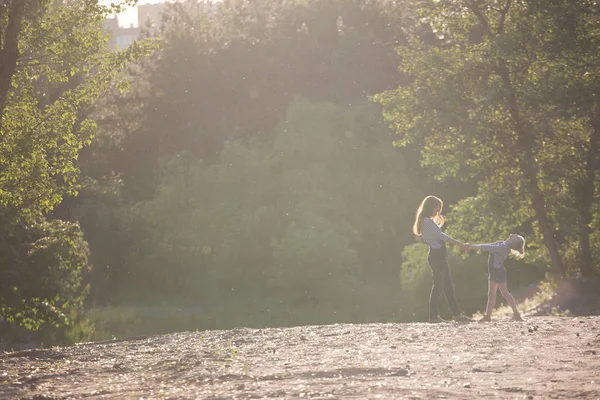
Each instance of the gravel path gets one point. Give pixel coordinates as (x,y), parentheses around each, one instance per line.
(543,357)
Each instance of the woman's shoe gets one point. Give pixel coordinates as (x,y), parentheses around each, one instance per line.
(485,319)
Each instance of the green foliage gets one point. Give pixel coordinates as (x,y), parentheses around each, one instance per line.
(295,220)
(41,274)
(490,99)
(62,64)
(415,281)
(54,62)
(204,125)
(230,70)
(314,264)
(106,221)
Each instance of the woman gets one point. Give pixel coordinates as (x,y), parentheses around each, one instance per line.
(427,227)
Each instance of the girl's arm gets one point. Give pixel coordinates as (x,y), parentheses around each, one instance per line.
(460,244)
(435,230)
(492,247)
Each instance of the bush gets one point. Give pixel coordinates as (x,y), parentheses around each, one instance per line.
(315,265)
(41,282)
(288,222)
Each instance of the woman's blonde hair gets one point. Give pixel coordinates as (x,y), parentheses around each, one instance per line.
(426,208)
(518,249)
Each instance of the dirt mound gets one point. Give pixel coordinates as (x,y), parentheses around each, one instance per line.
(543,357)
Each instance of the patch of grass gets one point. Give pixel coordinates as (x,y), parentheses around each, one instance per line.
(127,321)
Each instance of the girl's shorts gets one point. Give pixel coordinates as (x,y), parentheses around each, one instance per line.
(498,274)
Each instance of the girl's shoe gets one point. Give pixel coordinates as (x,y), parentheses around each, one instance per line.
(485,319)
(516,317)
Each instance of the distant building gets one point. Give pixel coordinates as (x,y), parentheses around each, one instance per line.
(149,16)
(120,38)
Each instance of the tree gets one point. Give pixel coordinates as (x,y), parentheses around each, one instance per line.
(230,69)
(53,63)
(475,108)
(569,83)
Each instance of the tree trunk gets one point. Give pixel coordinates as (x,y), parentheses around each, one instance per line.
(530,173)
(9,52)
(526,160)
(587,190)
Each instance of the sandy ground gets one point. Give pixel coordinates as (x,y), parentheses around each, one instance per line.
(541,358)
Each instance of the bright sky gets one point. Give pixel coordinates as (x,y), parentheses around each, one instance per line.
(129,16)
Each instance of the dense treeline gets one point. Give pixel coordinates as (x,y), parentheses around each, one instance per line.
(248,176)
(255,170)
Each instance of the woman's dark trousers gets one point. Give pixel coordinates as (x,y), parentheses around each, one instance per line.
(442,283)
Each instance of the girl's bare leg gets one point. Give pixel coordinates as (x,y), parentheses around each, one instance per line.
(511,300)
(492,288)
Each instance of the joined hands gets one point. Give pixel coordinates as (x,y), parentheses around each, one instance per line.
(466,247)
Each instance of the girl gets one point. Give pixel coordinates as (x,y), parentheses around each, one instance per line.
(498,252)
(427,228)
